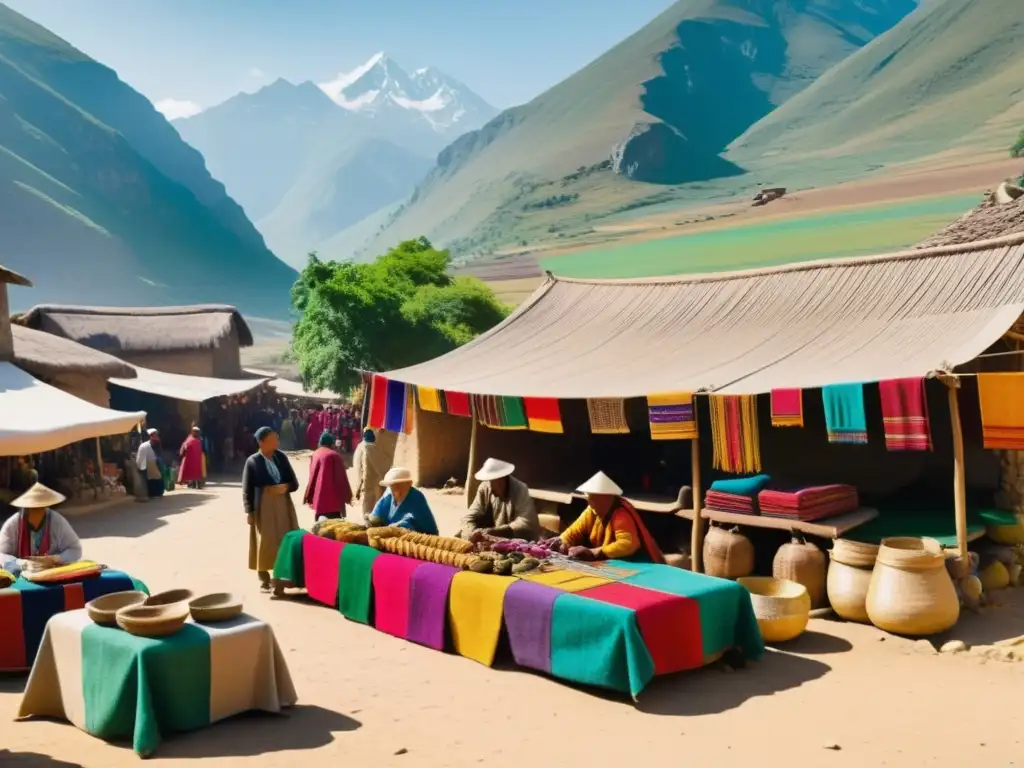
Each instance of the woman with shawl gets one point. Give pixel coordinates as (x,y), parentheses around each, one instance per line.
(190,472)
(36,536)
(268,481)
(370,464)
(328,491)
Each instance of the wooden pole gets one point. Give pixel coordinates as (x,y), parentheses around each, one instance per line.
(99,461)
(697,532)
(959,471)
(472,463)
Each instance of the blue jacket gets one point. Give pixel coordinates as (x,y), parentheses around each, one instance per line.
(413,513)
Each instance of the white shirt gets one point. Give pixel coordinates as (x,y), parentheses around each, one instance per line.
(64,542)
(145,455)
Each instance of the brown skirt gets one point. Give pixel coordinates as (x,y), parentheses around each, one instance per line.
(274,517)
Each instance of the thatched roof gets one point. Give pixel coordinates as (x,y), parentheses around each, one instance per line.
(141,329)
(10,277)
(801,325)
(999,215)
(46,355)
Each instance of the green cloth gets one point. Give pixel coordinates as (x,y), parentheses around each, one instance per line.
(742,486)
(597,643)
(139,585)
(997,517)
(141,688)
(727,617)
(934,524)
(512,412)
(355,582)
(289,565)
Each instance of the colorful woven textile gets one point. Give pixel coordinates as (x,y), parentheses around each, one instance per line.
(428,604)
(26,607)
(117,686)
(410,410)
(355,582)
(566,581)
(528,610)
(845,419)
(392,589)
(734,433)
(812,503)
(905,415)
(429,398)
(364,409)
(485,409)
(607,416)
(543,414)
(731,502)
(378,401)
(742,486)
(787,407)
(475,609)
(289,564)
(397,404)
(672,416)
(322,562)
(511,414)
(1002,410)
(457,404)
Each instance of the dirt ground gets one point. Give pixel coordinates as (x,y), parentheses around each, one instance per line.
(841,695)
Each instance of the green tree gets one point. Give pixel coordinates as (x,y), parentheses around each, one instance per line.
(399,310)
(1017,150)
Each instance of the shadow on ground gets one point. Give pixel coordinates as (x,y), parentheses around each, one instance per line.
(10,759)
(814,643)
(13,682)
(131,520)
(1002,620)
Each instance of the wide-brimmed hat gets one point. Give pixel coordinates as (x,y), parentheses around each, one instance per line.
(396,475)
(494,469)
(600,485)
(38,497)
(152,431)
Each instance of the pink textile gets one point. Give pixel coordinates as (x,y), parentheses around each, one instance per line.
(321,559)
(392,588)
(328,489)
(191,453)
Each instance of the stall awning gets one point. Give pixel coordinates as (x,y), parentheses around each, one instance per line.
(195,389)
(804,325)
(294,389)
(35,417)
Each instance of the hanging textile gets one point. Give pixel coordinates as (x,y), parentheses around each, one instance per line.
(410,410)
(844,413)
(905,415)
(485,408)
(457,404)
(1002,410)
(429,399)
(512,413)
(734,433)
(607,416)
(397,403)
(378,401)
(364,410)
(672,416)
(543,414)
(787,407)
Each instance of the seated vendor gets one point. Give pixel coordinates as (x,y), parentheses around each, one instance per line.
(37,534)
(402,505)
(502,506)
(609,528)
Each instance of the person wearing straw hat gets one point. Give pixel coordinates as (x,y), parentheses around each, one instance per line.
(268,481)
(402,505)
(37,537)
(502,506)
(609,528)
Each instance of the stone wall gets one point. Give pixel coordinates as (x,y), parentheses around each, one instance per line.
(1011,492)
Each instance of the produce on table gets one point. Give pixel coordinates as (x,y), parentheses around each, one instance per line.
(503,567)
(6,579)
(525,565)
(341,530)
(402,546)
(449,543)
(481,565)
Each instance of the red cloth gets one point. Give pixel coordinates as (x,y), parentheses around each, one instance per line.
(25,537)
(191,453)
(328,490)
(378,401)
(314,429)
(730,502)
(905,415)
(669,624)
(457,404)
(392,588)
(321,561)
(811,503)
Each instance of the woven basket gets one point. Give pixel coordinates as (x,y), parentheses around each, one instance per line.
(911,592)
(849,577)
(782,607)
(1007,534)
(152,620)
(170,597)
(103,610)
(219,606)
(804,563)
(854,553)
(727,554)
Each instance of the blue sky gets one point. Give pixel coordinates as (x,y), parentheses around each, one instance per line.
(203,51)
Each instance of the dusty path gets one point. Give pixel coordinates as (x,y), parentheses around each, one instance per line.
(366,696)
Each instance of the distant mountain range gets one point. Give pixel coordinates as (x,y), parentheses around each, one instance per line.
(307,161)
(100,199)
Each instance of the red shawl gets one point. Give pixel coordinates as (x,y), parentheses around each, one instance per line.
(25,537)
(647,542)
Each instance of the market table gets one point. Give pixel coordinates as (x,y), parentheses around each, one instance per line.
(616,633)
(27,607)
(115,685)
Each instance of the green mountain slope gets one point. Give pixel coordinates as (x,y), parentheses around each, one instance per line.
(658,109)
(101,201)
(948,76)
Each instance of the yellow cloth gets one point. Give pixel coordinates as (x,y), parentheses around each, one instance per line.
(679,407)
(430,399)
(475,609)
(618,539)
(734,434)
(567,581)
(1002,410)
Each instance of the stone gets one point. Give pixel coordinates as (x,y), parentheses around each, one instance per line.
(953,646)
(833,747)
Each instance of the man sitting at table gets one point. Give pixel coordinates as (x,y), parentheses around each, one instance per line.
(36,536)
(402,505)
(502,506)
(609,528)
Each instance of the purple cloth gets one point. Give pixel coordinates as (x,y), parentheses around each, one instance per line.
(428,604)
(528,609)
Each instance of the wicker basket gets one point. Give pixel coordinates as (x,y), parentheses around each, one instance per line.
(849,578)
(804,563)
(1007,534)
(170,597)
(782,607)
(103,610)
(219,606)
(728,554)
(153,620)
(911,592)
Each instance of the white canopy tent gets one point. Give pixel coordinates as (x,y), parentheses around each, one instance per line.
(35,417)
(195,389)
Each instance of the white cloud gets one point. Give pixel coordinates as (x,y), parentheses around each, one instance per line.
(257,74)
(175,109)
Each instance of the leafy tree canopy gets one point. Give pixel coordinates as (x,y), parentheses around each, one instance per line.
(1017,150)
(399,310)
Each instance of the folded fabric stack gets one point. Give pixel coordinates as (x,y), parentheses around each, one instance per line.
(813,503)
(736,495)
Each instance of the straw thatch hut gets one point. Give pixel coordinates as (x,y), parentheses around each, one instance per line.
(201,340)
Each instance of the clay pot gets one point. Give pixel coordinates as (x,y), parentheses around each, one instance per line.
(911,592)
(849,577)
(804,563)
(728,554)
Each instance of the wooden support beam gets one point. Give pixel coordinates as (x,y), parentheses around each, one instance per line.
(959,471)
(470,490)
(697,532)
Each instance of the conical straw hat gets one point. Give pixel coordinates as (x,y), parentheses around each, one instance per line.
(494,469)
(600,484)
(38,497)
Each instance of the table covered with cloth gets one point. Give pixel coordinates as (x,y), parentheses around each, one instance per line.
(25,608)
(614,633)
(116,686)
